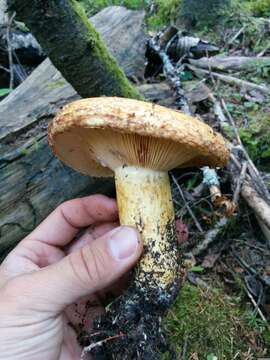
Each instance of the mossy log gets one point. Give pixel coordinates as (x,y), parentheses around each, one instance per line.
(74,47)
(33,181)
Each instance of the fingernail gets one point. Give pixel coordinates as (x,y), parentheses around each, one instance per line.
(123,243)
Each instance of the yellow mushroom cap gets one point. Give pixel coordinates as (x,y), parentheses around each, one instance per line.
(95,136)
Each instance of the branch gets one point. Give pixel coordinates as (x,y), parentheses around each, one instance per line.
(172,75)
(230,63)
(259,206)
(230,79)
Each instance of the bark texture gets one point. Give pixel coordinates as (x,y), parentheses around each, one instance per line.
(33,181)
(74,47)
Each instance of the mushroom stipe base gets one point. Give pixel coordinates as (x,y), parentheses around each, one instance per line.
(145,202)
(133,326)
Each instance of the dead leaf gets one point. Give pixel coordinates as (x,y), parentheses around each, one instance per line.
(182,232)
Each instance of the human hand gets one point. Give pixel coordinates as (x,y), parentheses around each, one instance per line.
(50,270)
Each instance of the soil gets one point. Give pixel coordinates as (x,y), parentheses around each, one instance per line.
(131,328)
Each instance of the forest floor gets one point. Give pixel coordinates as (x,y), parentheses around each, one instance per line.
(217,314)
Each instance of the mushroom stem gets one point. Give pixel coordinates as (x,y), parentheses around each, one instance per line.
(145,202)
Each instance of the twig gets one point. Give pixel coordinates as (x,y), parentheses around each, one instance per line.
(9,48)
(89,348)
(240,183)
(4,68)
(210,236)
(187,205)
(256,305)
(232,40)
(171,74)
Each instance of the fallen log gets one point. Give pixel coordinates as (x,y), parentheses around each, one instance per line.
(33,181)
(230,63)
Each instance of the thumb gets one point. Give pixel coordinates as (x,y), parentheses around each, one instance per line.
(92,268)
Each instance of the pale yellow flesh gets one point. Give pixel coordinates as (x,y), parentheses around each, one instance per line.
(145,202)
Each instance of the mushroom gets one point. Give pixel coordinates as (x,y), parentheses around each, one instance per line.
(139,142)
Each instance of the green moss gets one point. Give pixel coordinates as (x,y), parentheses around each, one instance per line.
(93,6)
(164,11)
(209,323)
(99,52)
(256,137)
(259,7)
(56,84)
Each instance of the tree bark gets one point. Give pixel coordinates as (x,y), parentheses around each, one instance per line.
(33,182)
(74,47)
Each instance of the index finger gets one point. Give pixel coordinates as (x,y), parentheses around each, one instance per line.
(60,227)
